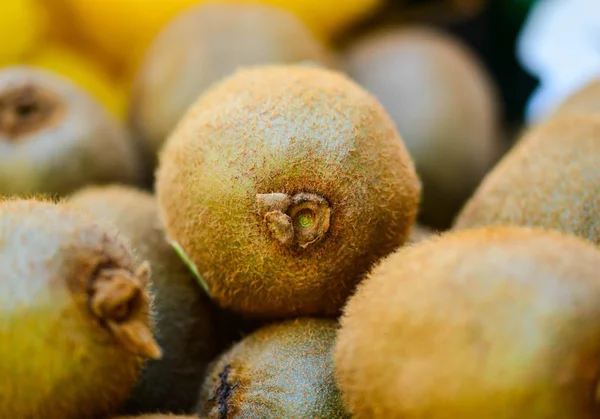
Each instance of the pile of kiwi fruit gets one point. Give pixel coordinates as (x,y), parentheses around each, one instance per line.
(283,229)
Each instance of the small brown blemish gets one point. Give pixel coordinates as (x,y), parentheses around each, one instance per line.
(223,392)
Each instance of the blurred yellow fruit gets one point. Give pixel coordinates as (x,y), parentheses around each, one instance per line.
(85,72)
(126,27)
(72,36)
(327,17)
(22,25)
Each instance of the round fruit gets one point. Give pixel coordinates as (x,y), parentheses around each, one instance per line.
(550,179)
(175,70)
(444,105)
(485,323)
(280,371)
(283,185)
(184,317)
(74,321)
(54,138)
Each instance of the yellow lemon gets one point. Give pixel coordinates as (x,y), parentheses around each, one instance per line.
(124,28)
(22,24)
(83,71)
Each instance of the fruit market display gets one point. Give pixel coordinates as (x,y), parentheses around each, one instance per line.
(287,209)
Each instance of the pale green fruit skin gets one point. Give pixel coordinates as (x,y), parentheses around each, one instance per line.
(550,179)
(82,145)
(56,360)
(495,323)
(283,370)
(186,322)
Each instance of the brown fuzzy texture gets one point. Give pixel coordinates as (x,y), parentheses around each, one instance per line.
(496,323)
(550,179)
(55,138)
(585,100)
(280,371)
(72,304)
(444,105)
(203,44)
(185,319)
(290,130)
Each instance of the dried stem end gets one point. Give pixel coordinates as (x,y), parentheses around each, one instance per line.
(119,301)
(302,219)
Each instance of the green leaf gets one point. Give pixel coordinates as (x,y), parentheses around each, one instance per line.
(191,265)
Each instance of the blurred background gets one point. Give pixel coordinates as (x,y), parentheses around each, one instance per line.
(100,43)
(460,78)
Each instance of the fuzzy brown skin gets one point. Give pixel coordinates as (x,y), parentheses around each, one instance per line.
(550,179)
(55,138)
(584,100)
(297,131)
(280,371)
(74,314)
(185,319)
(444,105)
(203,44)
(495,323)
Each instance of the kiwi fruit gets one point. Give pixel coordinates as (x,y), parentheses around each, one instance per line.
(203,44)
(55,138)
(283,370)
(74,314)
(496,322)
(444,104)
(282,186)
(550,179)
(584,100)
(186,321)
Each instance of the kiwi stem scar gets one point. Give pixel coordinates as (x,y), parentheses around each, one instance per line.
(305,220)
(191,265)
(116,298)
(302,219)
